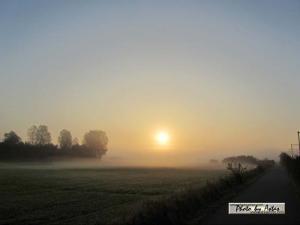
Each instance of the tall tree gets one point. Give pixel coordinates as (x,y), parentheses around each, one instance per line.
(43,136)
(96,140)
(39,135)
(65,139)
(32,135)
(11,138)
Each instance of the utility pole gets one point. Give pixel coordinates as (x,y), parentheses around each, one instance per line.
(299,141)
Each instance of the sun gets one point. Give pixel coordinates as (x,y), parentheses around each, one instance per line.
(162,137)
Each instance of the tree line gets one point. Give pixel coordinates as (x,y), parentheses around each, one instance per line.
(248,160)
(292,164)
(39,144)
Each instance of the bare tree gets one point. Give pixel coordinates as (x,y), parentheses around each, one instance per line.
(11,138)
(96,140)
(65,139)
(237,170)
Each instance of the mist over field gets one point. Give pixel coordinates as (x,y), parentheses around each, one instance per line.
(105,164)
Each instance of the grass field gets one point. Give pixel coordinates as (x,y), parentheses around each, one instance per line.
(87,196)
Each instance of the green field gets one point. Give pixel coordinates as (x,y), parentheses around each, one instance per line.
(87,196)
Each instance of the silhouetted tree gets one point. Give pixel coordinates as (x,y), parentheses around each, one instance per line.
(11,138)
(285,158)
(65,139)
(97,141)
(292,164)
(43,136)
(237,170)
(241,159)
(32,135)
(39,135)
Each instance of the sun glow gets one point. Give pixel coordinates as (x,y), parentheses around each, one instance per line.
(162,137)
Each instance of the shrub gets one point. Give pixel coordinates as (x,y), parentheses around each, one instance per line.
(179,207)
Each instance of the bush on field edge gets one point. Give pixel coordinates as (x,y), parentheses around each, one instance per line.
(177,208)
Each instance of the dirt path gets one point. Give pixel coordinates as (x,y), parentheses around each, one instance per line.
(274,186)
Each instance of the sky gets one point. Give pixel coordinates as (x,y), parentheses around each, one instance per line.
(221,77)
